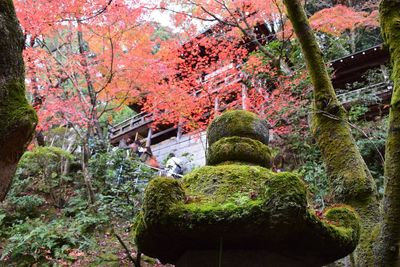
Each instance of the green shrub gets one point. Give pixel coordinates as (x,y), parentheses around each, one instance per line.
(38,241)
(27,205)
(120,180)
(314,175)
(41,171)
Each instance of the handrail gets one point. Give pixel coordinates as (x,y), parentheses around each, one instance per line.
(131,123)
(218,73)
(368,90)
(361,52)
(127,120)
(139,120)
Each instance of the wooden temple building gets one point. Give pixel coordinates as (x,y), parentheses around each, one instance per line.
(346,70)
(351,69)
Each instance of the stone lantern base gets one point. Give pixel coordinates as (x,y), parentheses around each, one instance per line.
(237,258)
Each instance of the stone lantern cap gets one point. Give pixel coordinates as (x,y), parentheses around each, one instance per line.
(240,203)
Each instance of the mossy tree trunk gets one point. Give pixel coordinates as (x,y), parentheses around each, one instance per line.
(17,118)
(351,181)
(387,246)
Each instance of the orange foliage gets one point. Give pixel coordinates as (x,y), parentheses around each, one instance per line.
(179,83)
(337,19)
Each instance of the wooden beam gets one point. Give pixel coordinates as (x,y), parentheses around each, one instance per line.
(244,97)
(149,134)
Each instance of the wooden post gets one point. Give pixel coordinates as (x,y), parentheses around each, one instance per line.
(385,73)
(149,134)
(179,133)
(244,97)
(216,105)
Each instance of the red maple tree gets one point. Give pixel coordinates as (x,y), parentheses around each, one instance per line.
(86,57)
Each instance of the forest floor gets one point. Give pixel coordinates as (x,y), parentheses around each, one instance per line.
(110,252)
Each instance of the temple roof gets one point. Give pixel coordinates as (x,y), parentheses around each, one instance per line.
(350,68)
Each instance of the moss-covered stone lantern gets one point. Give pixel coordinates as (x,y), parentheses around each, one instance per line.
(237,212)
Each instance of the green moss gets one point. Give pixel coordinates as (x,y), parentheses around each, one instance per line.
(202,215)
(238,123)
(222,189)
(18,119)
(351,181)
(224,181)
(387,244)
(349,176)
(340,224)
(346,221)
(343,216)
(160,194)
(286,186)
(239,149)
(248,206)
(219,199)
(369,214)
(367,255)
(245,205)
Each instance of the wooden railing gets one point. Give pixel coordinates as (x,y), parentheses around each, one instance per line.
(369,92)
(219,79)
(130,124)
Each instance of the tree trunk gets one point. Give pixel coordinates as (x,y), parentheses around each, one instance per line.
(94,120)
(40,138)
(87,176)
(17,118)
(351,181)
(387,246)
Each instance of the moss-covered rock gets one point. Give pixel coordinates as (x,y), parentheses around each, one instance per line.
(247,206)
(219,183)
(241,149)
(342,216)
(238,123)
(160,194)
(241,202)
